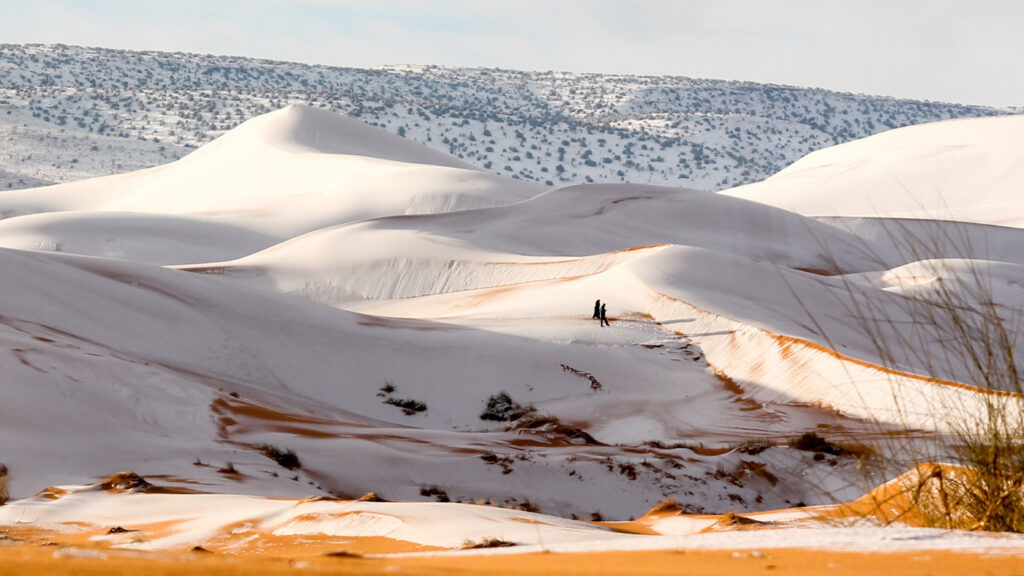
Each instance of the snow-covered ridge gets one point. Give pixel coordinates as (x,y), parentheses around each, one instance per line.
(963,170)
(76,112)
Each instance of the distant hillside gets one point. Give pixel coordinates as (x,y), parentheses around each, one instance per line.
(71,112)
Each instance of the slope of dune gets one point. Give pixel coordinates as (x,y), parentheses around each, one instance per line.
(562,233)
(276,176)
(152,238)
(151,356)
(966,170)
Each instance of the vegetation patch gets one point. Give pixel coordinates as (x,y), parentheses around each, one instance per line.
(285,458)
(408,405)
(125,482)
(504,461)
(553,426)
(489,542)
(502,408)
(754,447)
(228,468)
(594,384)
(436,493)
(811,442)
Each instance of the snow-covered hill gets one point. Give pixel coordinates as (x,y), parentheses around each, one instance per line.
(964,170)
(274,177)
(70,112)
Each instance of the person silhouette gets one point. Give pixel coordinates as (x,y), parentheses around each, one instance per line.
(597,309)
(604,316)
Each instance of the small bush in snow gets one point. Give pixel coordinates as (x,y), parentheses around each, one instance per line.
(501,408)
(286,458)
(554,428)
(435,492)
(407,405)
(811,442)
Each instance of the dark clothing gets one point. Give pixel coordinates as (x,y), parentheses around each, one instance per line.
(597,309)
(604,316)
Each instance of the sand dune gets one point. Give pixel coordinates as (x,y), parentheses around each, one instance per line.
(963,170)
(404,324)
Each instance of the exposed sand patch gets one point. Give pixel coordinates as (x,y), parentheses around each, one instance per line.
(33,560)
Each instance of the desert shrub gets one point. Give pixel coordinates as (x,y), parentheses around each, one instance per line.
(971,474)
(754,447)
(386,389)
(965,497)
(811,442)
(285,458)
(501,408)
(436,493)
(503,461)
(628,470)
(127,481)
(408,406)
(552,426)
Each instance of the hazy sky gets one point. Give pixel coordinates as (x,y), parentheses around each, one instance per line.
(944,50)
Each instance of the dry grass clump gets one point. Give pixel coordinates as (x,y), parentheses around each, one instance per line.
(952,326)
(987,494)
(667,507)
(284,458)
(127,481)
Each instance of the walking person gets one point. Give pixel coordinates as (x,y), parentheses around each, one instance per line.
(604,316)
(597,309)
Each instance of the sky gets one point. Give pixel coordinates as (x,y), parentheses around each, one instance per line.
(939,50)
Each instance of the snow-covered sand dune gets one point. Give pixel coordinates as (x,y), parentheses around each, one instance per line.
(144,354)
(410,326)
(175,521)
(966,170)
(276,176)
(119,518)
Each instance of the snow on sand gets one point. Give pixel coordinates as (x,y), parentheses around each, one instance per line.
(310,283)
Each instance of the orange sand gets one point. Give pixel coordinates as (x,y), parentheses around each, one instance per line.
(32,560)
